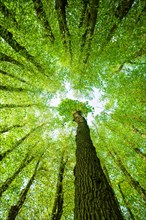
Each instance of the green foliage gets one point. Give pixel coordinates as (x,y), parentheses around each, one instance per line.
(68,106)
(33,70)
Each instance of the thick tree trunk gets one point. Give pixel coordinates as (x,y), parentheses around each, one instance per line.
(94,198)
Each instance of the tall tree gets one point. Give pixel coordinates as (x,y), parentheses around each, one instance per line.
(38,5)
(94,197)
(4,154)
(14,210)
(125,202)
(59,199)
(23,164)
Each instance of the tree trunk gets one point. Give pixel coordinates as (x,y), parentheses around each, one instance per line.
(38,5)
(60,6)
(13,76)
(7,183)
(14,210)
(58,203)
(8,128)
(4,57)
(4,154)
(126,203)
(140,153)
(130,179)
(94,198)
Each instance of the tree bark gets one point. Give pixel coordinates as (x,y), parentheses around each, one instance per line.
(94,198)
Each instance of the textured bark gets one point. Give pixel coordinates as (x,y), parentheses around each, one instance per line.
(94,198)
(38,5)
(126,203)
(7,183)
(14,210)
(58,203)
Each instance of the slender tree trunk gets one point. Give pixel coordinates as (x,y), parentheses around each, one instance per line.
(38,5)
(6,128)
(4,57)
(60,6)
(126,203)
(94,198)
(140,153)
(14,210)
(13,76)
(16,106)
(58,203)
(4,154)
(8,37)
(14,89)
(7,183)
(7,13)
(130,179)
